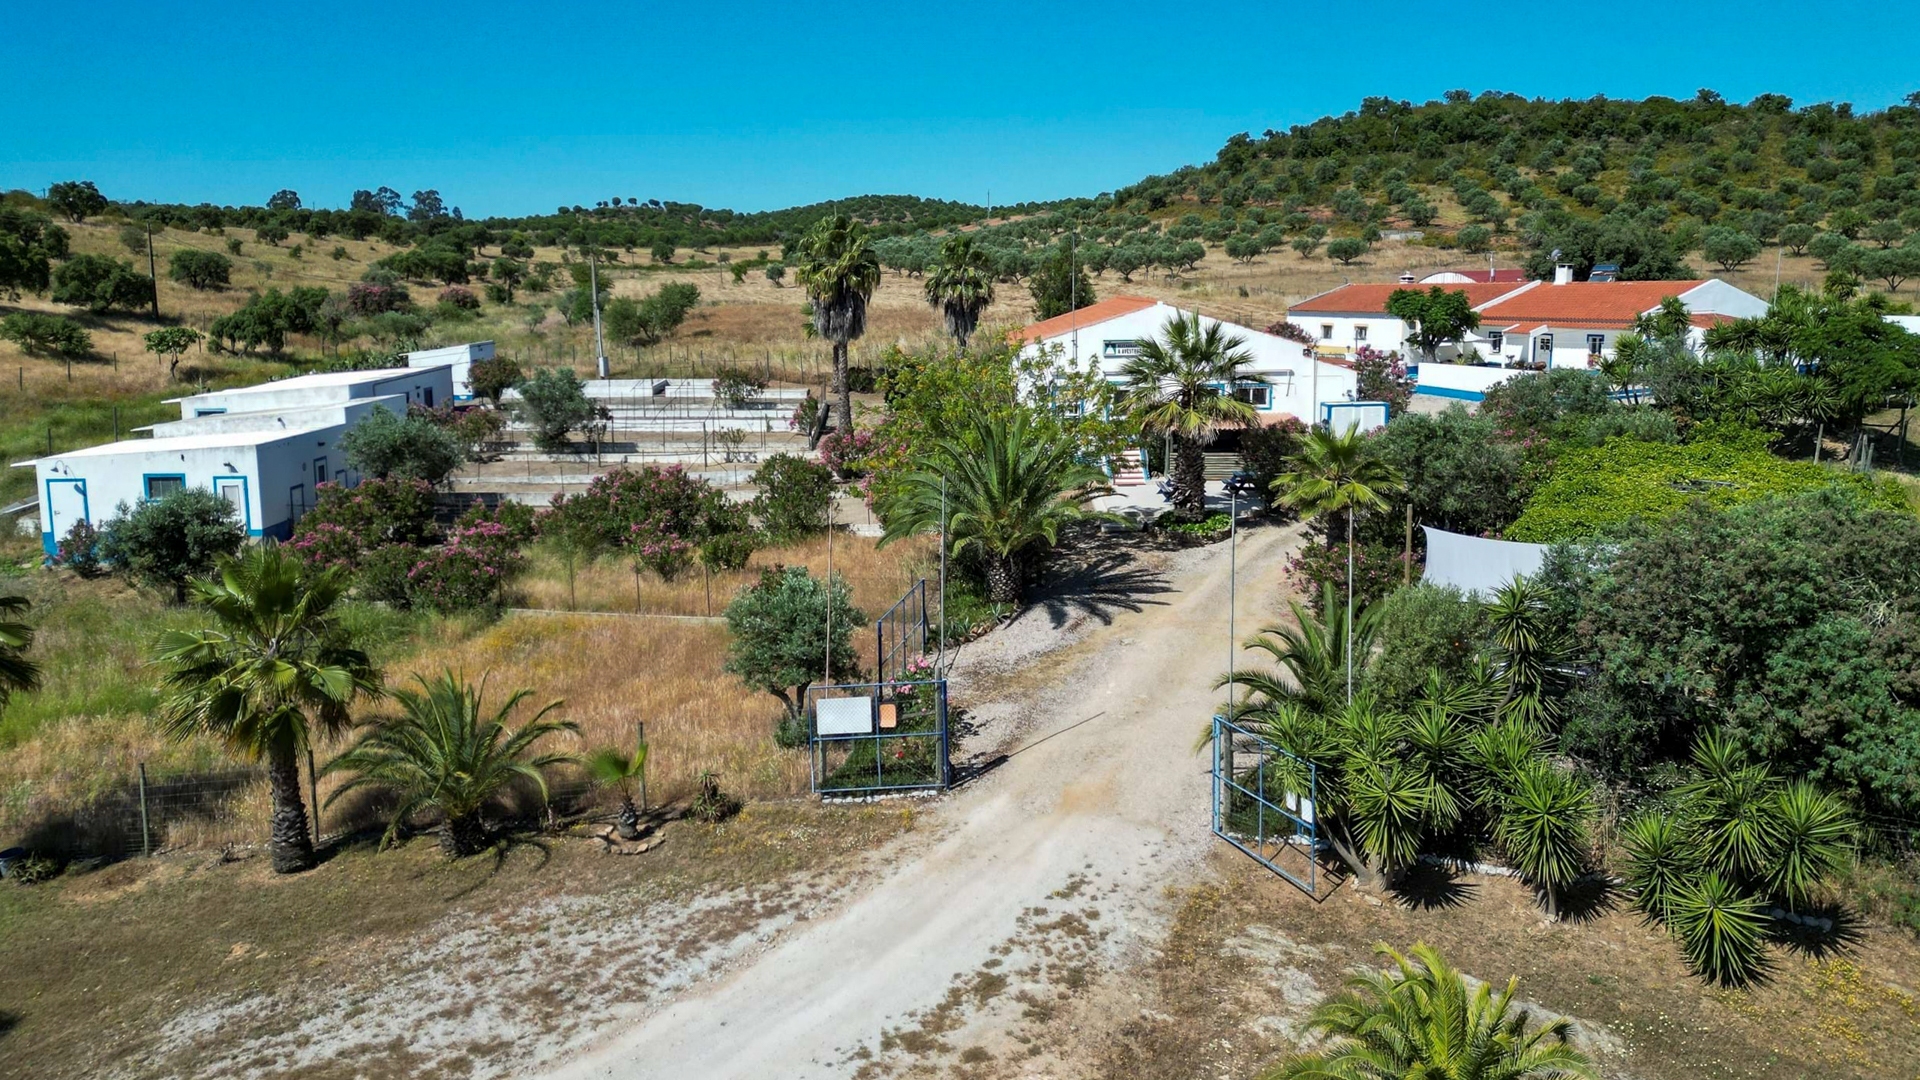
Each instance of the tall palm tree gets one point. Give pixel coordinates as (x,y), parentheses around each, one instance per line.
(1419,1020)
(1312,659)
(274,672)
(1002,488)
(1181,385)
(17,673)
(837,266)
(960,285)
(1335,475)
(444,752)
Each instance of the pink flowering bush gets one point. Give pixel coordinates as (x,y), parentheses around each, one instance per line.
(346,524)
(653,544)
(616,501)
(467,571)
(459,296)
(846,452)
(1382,376)
(1377,570)
(366,298)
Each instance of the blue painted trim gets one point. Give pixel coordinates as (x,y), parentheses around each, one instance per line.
(147,479)
(197,413)
(48,541)
(1448,392)
(282,531)
(246,500)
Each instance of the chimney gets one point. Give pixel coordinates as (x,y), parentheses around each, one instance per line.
(1563,274)
(1407,278)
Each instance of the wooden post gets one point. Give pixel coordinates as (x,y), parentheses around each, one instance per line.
(640,739)
(152,276)
(1407,574)
(146,833)
(313,794)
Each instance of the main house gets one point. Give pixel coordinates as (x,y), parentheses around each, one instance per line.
(1108,333)
(1569,323)
(266,449)
(1342,320)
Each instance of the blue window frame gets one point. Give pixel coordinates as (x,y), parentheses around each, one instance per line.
(161,485)
(235,489)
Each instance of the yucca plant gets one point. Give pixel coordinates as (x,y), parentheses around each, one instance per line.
(1729,805)
(1531,650)
(445,752)
(1439,748)
(1543,827)
(1389,807)
(1720,929)
(1812,833)
(1500,752)
(1420,1020)
(1659,862)
(626,772)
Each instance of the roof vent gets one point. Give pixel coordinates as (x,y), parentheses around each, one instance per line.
(1406,279)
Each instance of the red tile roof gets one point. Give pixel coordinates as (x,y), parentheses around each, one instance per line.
(1602,305)
(1111,308)
(1372,299)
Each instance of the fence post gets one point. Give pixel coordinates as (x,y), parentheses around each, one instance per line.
(146,833)
(640,738)
(313,794)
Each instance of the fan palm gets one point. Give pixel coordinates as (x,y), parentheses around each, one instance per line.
(1336,476)
(1181,385)
(960,285)
(1419,1020)
(273,673)
(617,768)
(837,266)
(443,751)
(17,673)
(1000,488)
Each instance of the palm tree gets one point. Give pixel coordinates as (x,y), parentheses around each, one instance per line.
(17,673)
(1420,1021)
(617,768)
(1312,659)
(273,674)
(1336,475)
(960,285)
(839,270)
(1182,388)
(1002,489)
(442,752)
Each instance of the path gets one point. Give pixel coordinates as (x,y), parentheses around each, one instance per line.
(1105,790)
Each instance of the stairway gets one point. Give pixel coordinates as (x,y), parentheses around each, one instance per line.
(1128,470)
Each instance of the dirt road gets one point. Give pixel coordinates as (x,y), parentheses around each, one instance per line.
(1044,875)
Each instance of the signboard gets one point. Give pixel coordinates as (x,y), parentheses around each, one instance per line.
(843,716)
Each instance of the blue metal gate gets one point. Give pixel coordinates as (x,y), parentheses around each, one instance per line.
(900,635)
(1263,803)
(864,738)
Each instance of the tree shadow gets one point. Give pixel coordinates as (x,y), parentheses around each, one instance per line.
(505,843)
(1586,900)
(1431,886)
(1823,931)
(1098,584)
(8,1021)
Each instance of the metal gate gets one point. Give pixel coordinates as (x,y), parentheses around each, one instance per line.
(1263,803)
(900,635)
(864,738)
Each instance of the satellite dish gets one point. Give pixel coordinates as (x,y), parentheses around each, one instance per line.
(1556,253)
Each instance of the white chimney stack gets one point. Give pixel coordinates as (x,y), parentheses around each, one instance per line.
(1563,274)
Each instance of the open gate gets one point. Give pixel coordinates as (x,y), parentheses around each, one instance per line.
(1263,804)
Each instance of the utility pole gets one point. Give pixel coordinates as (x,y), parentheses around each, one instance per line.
(599,342)
(152,274)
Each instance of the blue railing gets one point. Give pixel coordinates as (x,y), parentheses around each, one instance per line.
(1264,803)
(879,737)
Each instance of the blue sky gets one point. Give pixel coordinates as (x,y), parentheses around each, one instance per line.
(517,108)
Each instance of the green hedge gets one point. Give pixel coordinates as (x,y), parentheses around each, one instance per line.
(1591,491)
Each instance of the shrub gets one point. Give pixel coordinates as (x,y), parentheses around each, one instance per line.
(459,297)
(1424,629)
(200,269)
(1382,376)
(776,626)
(491,378)
(388,447)
(728,551)
(165,542)
(348,523)
(79,550)
(845,452)
(669,499)
(368,298)
(468,571)
(37,333)
(795,496)
(1377,570)
(1213,527)
(555,404)
(710,804)
(384,574)
(1266,451)
(736,389)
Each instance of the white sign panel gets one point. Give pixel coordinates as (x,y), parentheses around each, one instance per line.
(843,716)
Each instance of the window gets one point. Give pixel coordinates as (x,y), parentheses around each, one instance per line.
(1594,343)
(1545,344)
(159,487)
(1260,397)
(1326,331)
(1359,334)
(1496,340)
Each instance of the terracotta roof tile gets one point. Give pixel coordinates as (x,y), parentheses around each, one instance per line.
(1601,305)
(1111,308)
(1369,299)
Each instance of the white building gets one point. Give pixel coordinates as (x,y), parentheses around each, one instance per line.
(1490,276)
(1574,324)
(1344,319)
(333,414)
(425,386)
(1109,333)
(459,359)
(268,475)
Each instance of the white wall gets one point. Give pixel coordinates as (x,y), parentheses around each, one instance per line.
(346,414)
(1719,298)
(1461,381)
(1349,332)
(418,386)
(1289,371)
(459,360)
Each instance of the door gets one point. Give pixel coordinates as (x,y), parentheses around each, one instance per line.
(234,490)
(296,504)
(66,504)
(426,393)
